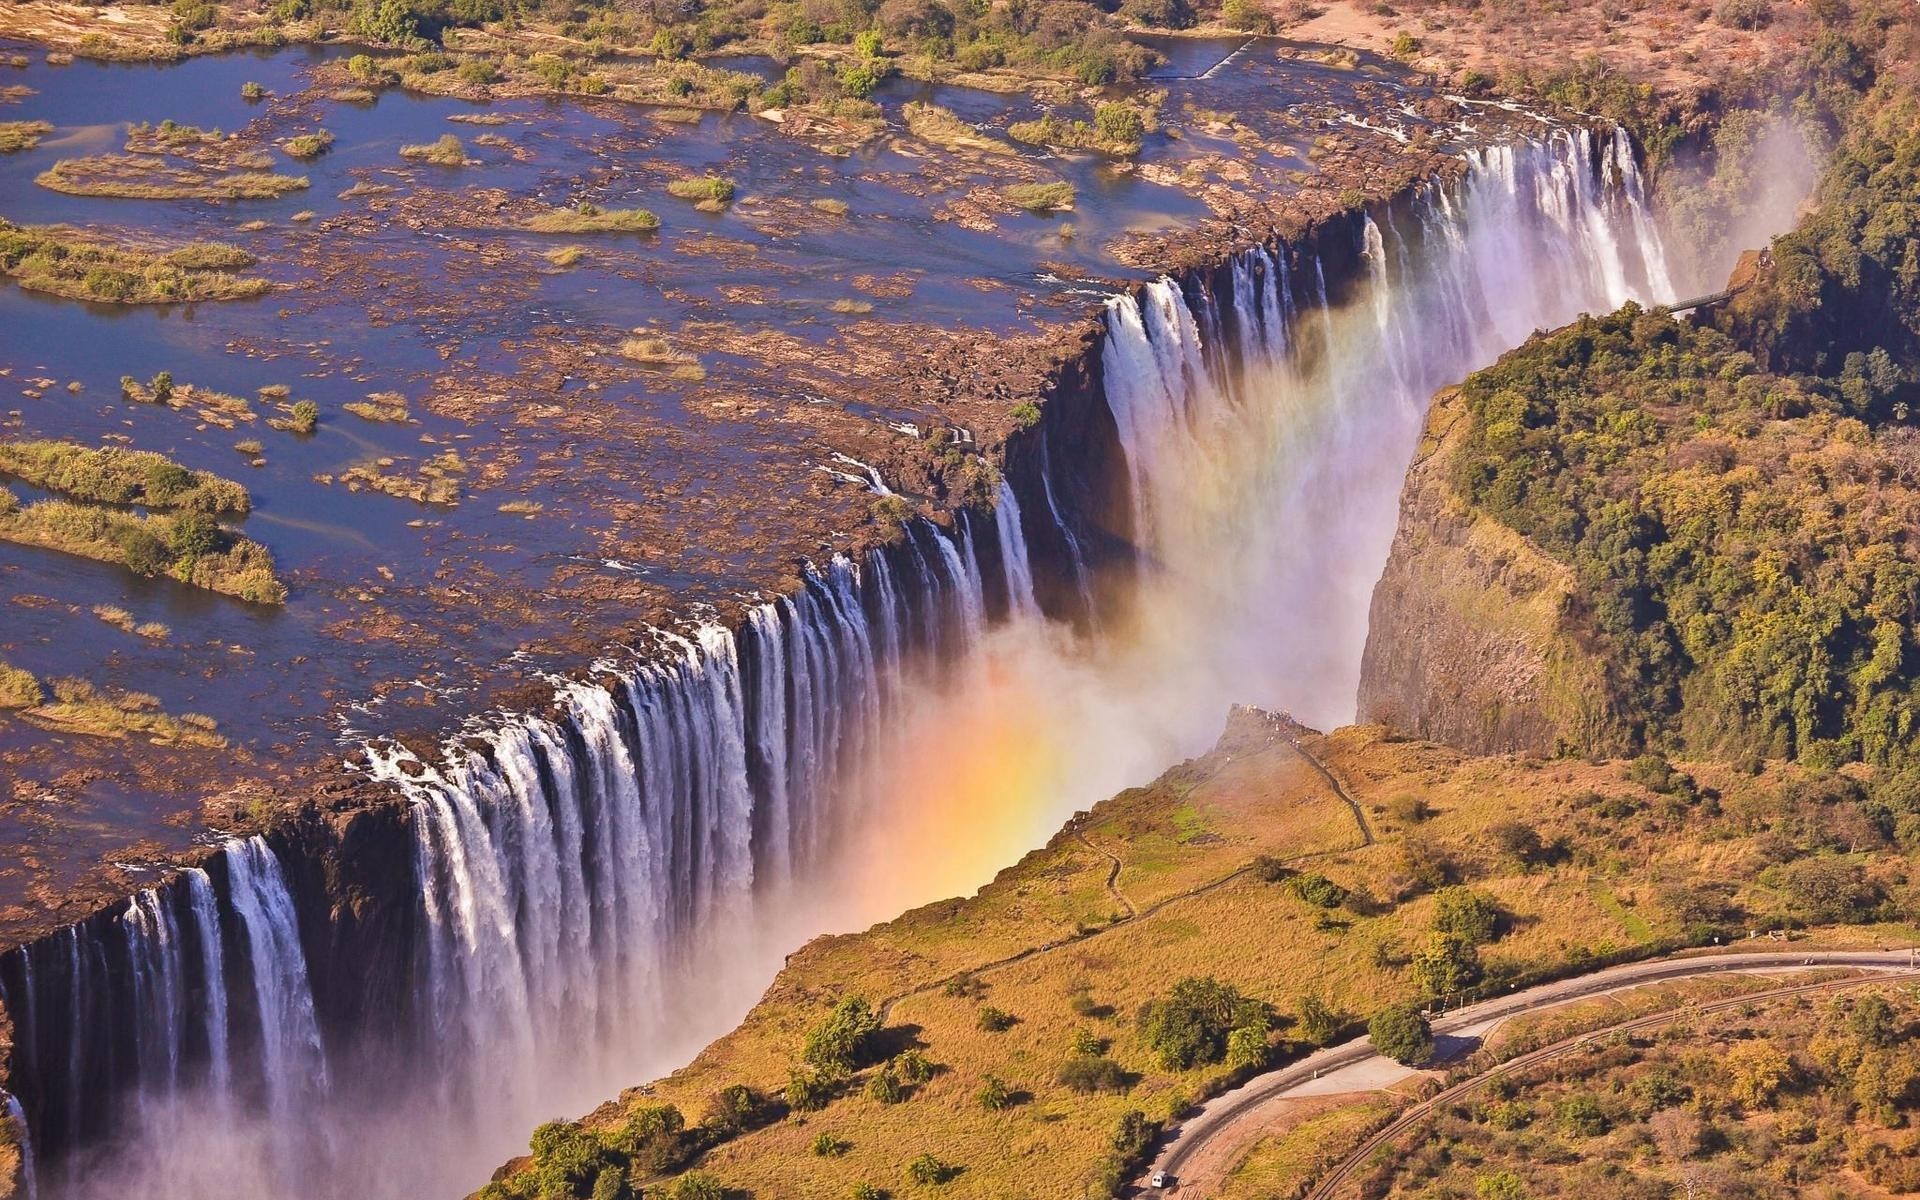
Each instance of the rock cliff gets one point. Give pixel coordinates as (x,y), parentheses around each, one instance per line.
(1468,639)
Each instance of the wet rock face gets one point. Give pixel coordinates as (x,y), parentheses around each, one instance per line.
(1467,639)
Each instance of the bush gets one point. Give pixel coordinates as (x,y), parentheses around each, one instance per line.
(1465,913)
(810,1091)
(913,1066)
(1317,890)
(867,1191)
(1089,1073)
(305,417)
(994,1094)
(884,1087)
(994,1020)
(698,1185)
(1401,1033)
(1320,1025)
(928,1169)
(839,1044)
(826,1145)
(1409,809)
(1581,1116)
(1191,1024)
(1744,14)
(1025,415)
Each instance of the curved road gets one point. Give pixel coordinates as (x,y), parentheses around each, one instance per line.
(1207,1144)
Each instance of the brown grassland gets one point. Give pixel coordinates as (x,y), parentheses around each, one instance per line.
(1618,870)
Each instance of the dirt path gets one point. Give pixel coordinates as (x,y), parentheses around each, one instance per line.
(1288,731)
(1207,1146)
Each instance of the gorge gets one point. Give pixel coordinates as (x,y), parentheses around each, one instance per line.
(577,894)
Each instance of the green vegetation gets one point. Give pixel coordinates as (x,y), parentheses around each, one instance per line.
(840,1044)
(79,707)
(118,476)
(447,151)
(251,91)
(1117,128)
(1039,197)
(709,192)
(189,547)
(1400,1032)
(381,406)
(1785,1097)
(1193,1024)
(64,262)
(588,218)
(22,135)
(308,145)
(931,123)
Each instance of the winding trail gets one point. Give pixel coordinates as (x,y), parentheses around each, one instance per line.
(1206,1147)
(1289,731)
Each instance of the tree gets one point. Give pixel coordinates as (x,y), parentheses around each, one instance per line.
(1582,1116)
(1247,1048)
(1448,964)
(1468,914)
(1319,1024)
(1759,1069)
(1518,841)
(995,1095)
(698,1185)
(1190,1025)
(306,417)
(838,1044)
(1401,1033)
(809,1091)
(928,1169)
(193,535)
(1872,1022)
(1088,1073)
(885,1087)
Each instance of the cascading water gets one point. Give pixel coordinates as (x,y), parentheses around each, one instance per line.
(605,886)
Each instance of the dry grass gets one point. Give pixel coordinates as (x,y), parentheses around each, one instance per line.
(833,208)
(308,145)
(1319,1136)
(931,123)
(142,177)
(709,193)
(381,406)
(1183,846)
(22,135)
(64,262)
(79,707)
(1039,197)
(447,151)
(565,256)
(436,481)
(18,688)
(590,219)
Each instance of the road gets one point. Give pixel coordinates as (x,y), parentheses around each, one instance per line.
(1206,1146)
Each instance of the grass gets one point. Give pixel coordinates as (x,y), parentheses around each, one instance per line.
(656,352)
(833,208)
(118,476)
(22,135)
(1278,1165)
(18,688)
(931,123)
(1048,942)
(79,707)
(1039,197)
(380,406)
(447,151)
(189,547)
(588,218)
(710,193)
(65,262)
(132,177)
(308,145)
(565,256)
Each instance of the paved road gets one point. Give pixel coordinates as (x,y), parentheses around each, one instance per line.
(1206,1145)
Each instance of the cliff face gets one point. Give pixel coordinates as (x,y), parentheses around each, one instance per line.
(1467,640)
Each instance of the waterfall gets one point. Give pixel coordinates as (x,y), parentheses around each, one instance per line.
(89,1058)
(23,1139)
(601,884)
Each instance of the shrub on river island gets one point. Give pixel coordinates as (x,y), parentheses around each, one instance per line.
(189,547)
(22,135)
(380,406)
(709,192)
(931,123)
(588,218)
(1039,197)
(448,151)
(64,262)
(1117,128)
(308,145)
(118,476)
(18,689)
(565,256)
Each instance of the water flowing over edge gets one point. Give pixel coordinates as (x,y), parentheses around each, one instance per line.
(571,867)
